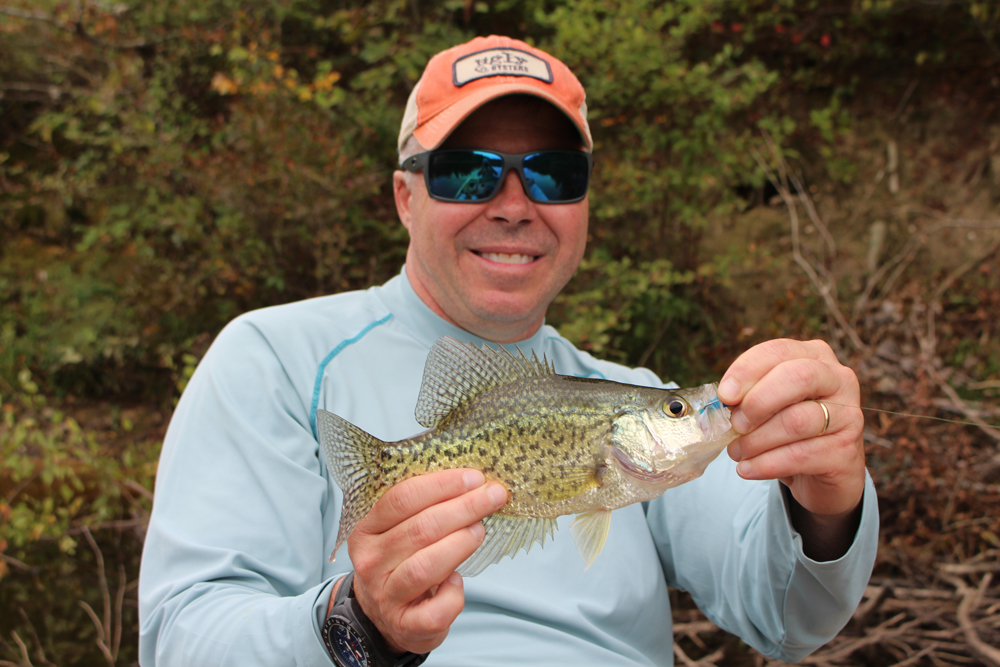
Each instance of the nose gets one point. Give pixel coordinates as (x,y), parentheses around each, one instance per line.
(511,204)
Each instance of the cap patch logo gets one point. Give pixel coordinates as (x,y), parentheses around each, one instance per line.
(500,62)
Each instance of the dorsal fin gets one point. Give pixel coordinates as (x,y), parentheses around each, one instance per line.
(457,372)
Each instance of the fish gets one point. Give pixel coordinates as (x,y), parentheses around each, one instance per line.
(560,445)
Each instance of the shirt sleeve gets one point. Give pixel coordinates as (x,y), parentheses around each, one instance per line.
(239,452)
(730,543)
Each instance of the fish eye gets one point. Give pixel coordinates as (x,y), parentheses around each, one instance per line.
(675,406)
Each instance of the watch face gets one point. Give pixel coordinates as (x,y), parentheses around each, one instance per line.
(347,645)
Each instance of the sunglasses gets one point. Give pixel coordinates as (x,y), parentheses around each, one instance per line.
(472,176)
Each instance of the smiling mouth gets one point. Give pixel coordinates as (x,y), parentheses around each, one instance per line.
(504,258)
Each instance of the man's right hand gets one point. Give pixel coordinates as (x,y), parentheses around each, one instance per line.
(406,550)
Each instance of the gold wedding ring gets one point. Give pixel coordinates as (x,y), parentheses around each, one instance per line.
(826,415)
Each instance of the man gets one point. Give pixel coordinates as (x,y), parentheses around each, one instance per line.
(234,568)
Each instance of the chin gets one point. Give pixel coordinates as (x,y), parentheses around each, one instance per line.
(509,309)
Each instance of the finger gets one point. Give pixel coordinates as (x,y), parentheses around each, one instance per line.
(786,384)
(800,421)
(437,522)
(416,494)
(826,456)
(826,474)
(751,366)
(429,620)
(432,565)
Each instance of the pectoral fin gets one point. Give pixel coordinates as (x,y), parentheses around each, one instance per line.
(590,532)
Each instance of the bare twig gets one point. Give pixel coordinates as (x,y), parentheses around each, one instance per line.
(970,600)
(117,525)
(52,91)
(101,580)
(905,99)
(875,595)
(116,641)
(106,629)
(24,649)
(986,384)
(876,635)
(969,414)
(946,284)
(100,630)
(968,568)
(139,488)
(10,560)
(824,288)
(711,659)
(39,652)
(912,660)
(682,656)
(694,627)
(899,261)
(903,258)
(814,216)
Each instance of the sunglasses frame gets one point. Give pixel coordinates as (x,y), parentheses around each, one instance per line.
(513,161)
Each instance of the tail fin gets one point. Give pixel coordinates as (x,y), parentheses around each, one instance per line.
(352,457)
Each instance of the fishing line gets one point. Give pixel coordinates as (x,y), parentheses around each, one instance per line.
(908,414)
(890,412)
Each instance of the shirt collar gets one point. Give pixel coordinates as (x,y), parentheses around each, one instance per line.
(409,310)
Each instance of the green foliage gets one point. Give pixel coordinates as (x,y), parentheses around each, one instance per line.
(57,484)
(617,296)
(176,164)
(674,139)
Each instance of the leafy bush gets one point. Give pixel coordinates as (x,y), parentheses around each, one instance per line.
(58,487)
(171,167)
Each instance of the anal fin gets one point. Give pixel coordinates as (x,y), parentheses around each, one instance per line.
(505,535)
(590,532)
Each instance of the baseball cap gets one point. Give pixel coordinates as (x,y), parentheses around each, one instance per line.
(461,79)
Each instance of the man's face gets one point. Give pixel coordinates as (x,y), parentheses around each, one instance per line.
(493,268)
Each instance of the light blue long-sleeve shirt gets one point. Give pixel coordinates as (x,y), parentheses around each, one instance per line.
(235,569)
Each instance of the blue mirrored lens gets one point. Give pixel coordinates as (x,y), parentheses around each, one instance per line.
(556,177)
(474,175)
(464,175)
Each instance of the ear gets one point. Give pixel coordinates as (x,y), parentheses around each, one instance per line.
(404,198)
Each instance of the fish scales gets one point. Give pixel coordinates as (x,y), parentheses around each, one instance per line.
(526,435)
(559,444)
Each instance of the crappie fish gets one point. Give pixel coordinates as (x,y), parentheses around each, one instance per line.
(560,444)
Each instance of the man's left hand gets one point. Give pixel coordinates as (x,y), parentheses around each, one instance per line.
(772,391)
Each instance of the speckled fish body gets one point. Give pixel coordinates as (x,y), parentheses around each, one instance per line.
(559,444)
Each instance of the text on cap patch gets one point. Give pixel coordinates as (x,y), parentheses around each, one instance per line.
(500,62)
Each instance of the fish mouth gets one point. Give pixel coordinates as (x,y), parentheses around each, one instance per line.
(651,477)
(507,258)
(713,418)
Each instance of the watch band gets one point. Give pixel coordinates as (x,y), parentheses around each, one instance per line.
(352,640)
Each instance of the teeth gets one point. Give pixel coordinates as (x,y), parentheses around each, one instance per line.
(504,258)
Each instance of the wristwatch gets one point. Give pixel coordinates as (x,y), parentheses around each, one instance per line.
(353,640)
